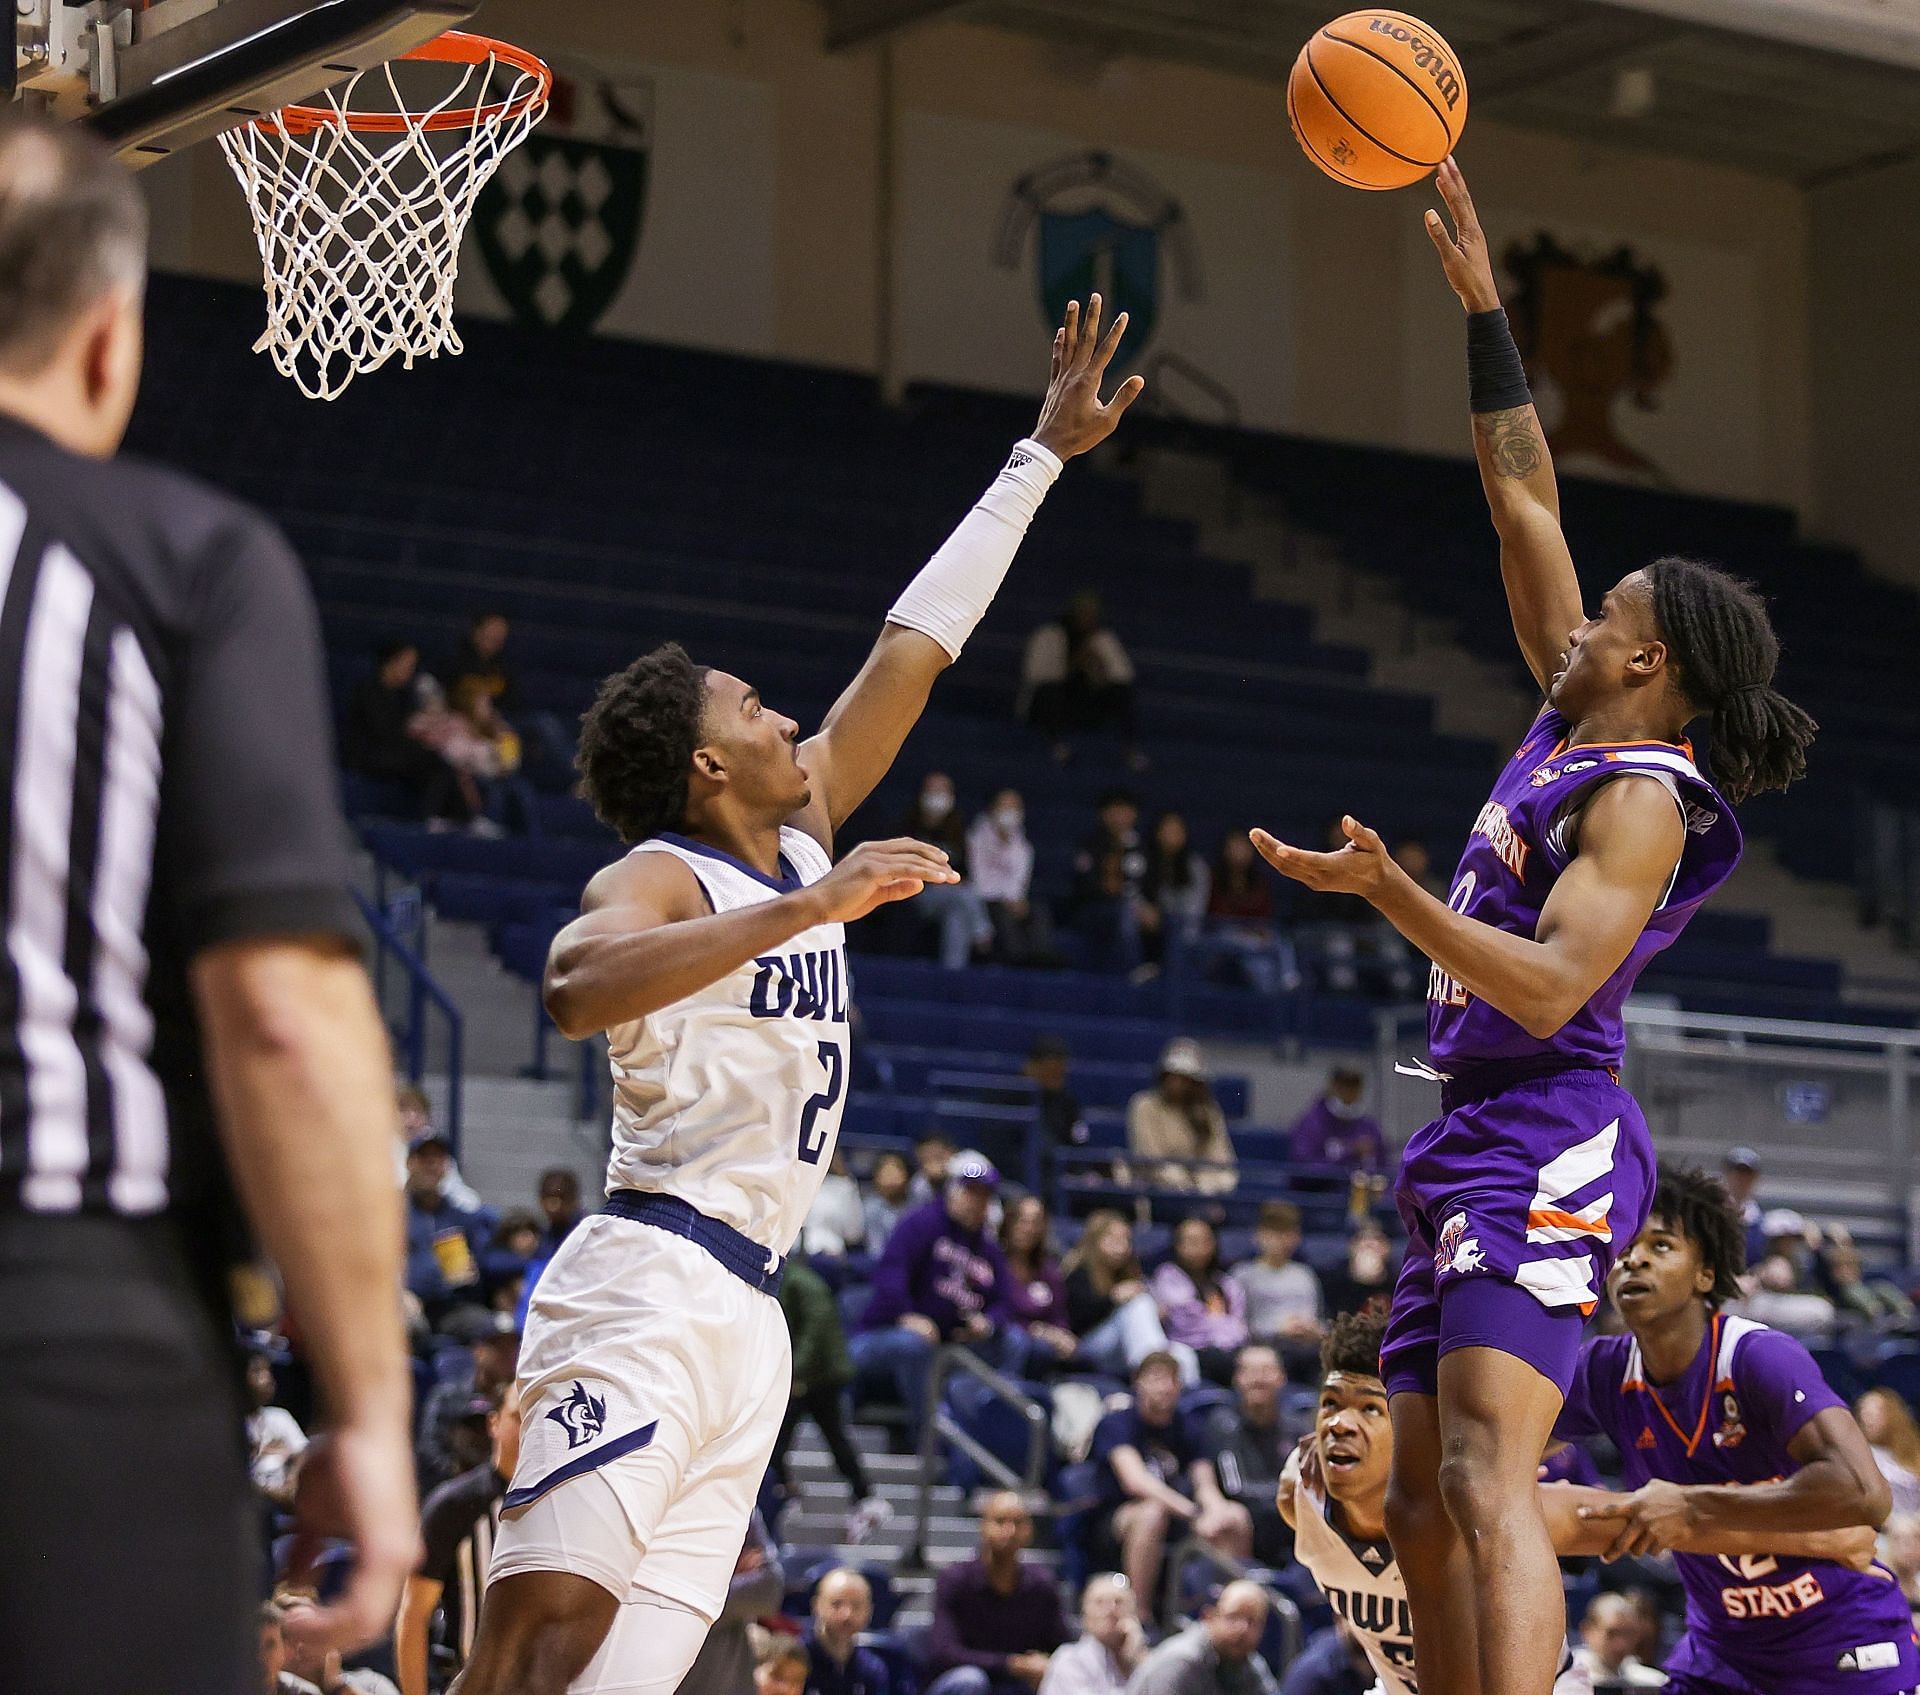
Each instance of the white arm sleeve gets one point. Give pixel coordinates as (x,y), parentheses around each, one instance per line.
(956,586)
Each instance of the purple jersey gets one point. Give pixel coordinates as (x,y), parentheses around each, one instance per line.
(1520,845)
(1755,1623)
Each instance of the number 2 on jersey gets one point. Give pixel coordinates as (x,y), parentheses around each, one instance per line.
(813,1141)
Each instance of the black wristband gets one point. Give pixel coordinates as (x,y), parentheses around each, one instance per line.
(1496,378)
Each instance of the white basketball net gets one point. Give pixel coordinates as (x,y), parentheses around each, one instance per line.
(360,233)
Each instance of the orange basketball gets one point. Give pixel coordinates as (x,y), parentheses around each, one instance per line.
(1377,99)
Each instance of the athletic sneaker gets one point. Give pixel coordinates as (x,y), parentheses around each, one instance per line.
(867,1517)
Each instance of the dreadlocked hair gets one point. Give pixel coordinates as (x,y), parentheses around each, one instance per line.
(1724,653)
(637,742)
(1699,1208)
(1353,1340)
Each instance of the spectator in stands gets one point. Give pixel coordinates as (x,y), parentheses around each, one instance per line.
(275,1678)
(1037,1299)
(932,1154)
(725,1664)
(1283,1300)
(416,1118)
(559,1206)
(1174,891)
(1000,865)
(836,1224)
(1900,1554)
(1107,873)
(1076,677)
(515,1246)
(1605,1650)
(440,1604)
(1368,1271)
(444,1239)
(1741,1174)
(479,663)
(1337,1129)
(942,1278)
(1240,913)
(1780,1291)
(320,1668)
(781,1665)
(1333,1663)
(492,1357)
(1154,1474)
(956,909)
(1062,1122)
(1111,1644)
(1249,1443)
(1201,1308)
(1888,1424)
(1877,1301)
(822,1369)
(1178,1120)
(887,1197)
(1413,858)
(1218,1656)
(377,739)
(275,1440)
(996,1619)
(1353,949)
(836,1663)
(1109,1306)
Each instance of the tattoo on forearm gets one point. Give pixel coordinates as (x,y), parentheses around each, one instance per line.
(1515,446)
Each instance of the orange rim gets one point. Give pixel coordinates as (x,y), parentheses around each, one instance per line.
(455,47)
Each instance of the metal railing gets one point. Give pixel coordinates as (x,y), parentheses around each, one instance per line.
(422,995)
(940,1424)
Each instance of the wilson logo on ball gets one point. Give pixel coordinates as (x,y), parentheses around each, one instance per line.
(1431,59)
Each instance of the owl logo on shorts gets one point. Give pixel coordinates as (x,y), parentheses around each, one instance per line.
(580,1415)
(1457,1251)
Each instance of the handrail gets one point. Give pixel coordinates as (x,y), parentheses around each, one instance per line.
(1193,1548)
(423,990)
(939,1424)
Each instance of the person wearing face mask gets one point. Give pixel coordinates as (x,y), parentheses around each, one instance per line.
(1000,870)
(1337,1129)
(956,909)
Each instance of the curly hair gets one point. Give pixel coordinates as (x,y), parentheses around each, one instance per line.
(1724,654)
(1353,1340)
(637,742)
(1699,1208)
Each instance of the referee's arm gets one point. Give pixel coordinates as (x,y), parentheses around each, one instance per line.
(295,1050)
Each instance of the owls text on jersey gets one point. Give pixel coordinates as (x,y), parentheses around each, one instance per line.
(1362,1582)
(730,1099)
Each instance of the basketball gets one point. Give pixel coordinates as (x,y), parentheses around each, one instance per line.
(1377,99)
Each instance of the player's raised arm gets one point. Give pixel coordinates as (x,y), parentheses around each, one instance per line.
(1631,838)
(1543,593)
(940,608)
(646,937)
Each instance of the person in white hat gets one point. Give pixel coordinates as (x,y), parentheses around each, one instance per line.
(1179,1122)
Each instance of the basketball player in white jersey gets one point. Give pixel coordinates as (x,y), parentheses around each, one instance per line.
(655,1369)
(1334,1495)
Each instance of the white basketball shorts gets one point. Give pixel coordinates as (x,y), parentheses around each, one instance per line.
(652,1385)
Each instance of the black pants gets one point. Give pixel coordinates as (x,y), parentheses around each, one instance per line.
(822,1405)
(132,1560)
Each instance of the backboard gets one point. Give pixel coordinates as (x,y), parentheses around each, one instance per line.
(153,76)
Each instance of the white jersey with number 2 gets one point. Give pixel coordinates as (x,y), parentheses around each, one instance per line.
(731,1098)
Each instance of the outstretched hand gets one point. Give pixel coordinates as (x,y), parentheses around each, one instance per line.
(1072,417)
(876,873)
(1362,867)
(1464,253)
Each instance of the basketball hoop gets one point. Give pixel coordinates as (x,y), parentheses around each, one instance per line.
(360,202)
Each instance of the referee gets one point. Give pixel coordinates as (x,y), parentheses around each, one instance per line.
(188,1045)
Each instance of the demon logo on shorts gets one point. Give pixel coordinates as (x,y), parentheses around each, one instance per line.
(580,1415)
(1457,1251)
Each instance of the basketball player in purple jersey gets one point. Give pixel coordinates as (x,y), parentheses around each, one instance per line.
(1727,1426)
(1573,879)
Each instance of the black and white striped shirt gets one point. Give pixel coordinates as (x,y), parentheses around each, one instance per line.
(168,784)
